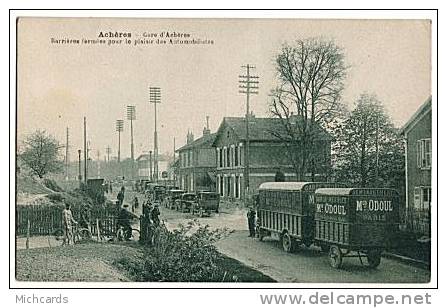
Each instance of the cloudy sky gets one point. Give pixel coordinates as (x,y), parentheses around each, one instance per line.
(59,84)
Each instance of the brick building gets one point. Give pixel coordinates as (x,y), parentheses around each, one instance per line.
(268,155)
(197,163)
(418,153)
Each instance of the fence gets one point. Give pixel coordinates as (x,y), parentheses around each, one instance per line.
(45,220)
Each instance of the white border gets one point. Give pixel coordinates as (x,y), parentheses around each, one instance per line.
(224,14)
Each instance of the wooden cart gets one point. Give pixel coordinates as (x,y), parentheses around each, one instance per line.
(286,211)
(355,222)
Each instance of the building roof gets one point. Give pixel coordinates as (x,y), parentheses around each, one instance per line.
(296,186)
(202,142)
(161,157)
(260,129)
(416,117)
(355,191)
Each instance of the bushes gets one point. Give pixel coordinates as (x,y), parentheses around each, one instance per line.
(51,184)
(185,254)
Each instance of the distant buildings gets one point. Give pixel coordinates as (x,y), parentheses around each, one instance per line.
(418,158)
(197,163)
(216,161)
(145,163)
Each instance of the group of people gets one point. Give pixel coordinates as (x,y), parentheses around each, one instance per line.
(151,214)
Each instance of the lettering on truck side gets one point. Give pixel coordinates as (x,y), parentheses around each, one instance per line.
(361,205)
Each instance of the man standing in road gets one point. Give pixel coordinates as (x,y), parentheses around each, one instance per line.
(68,222)
(120,196)
(155,213)
(251,216)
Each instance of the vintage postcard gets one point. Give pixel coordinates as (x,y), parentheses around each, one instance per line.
(224,151)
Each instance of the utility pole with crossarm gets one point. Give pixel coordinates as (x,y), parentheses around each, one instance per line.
(155,98)
(131,116)
(248,85)
(119,129)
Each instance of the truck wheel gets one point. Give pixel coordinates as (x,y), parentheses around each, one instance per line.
(373,257)
(335,256)
(261,234)
(288,244)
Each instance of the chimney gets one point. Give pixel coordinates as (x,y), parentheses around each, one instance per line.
(206,130)
(189,137)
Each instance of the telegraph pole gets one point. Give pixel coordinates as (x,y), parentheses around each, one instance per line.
(79,167)
(131,116)
(119,129)
(150,166)
(67,159)
(248,85)
(155,98)
(98,164)
(108,151)
(85,150)
(173,164)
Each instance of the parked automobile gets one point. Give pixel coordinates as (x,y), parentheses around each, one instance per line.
(171,196)
(207,203)
(186,202)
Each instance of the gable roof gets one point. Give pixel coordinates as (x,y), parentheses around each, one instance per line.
(259,129)
(161,157)
(202,142)
(416,117)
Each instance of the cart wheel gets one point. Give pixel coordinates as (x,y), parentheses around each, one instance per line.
(373,257)
(335,256)
(288,244)
(84,235)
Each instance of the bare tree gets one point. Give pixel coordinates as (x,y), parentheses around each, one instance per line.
(40,153)
(311,77)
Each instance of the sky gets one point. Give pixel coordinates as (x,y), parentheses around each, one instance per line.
(59,84)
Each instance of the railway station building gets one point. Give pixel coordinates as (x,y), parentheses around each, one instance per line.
(267,155)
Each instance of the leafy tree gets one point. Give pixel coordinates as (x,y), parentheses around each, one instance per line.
(40,153)
(368,149)
(310,76)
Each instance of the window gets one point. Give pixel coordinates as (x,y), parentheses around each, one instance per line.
(422,198)
(224,154)
(221,183)
(424,153)
(237,187)
(228,157)
(236,156)
(220,158)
